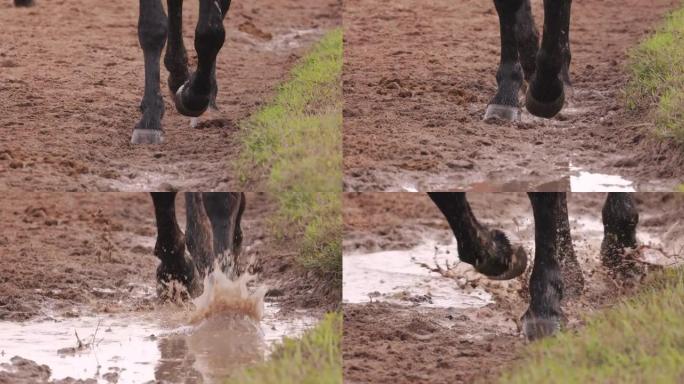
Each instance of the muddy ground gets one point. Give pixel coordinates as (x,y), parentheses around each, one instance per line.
(403,337)
(418,77)
(72,80)
(82,255)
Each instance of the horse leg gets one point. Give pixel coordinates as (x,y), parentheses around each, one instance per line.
(199,237)
(544,315)
(176,57)
(194,97)
(571,272)
(170,246)
(152,32)
(225,213)
(528,40)
(24,3)
(489,251)
(509,76)
(545,95)
(620,219)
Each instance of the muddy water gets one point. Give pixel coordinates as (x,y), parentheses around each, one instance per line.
(227,328)
(150,346)
(397,276)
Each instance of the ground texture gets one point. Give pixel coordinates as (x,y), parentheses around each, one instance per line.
(418,78)
(73,79)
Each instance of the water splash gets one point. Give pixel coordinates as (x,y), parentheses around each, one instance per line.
(225,295)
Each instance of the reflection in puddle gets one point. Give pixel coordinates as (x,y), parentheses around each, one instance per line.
(395,276)
(583,181)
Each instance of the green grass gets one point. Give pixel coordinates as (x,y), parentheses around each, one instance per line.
(319,217)
(296,140)
(656,68)
(316,358)
(641,340)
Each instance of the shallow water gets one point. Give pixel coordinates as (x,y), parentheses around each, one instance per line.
(396,276)
(225,329)
(149,346)
(583,181)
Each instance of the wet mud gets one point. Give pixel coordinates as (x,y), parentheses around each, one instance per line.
(72,91)
(420,323)
(418,78)
(78,295)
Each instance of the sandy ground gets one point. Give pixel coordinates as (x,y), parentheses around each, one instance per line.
(390,341)
(73,254)
(72,80)
(418,77)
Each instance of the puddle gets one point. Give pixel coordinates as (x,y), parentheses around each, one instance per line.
(229,328)
(395,276)
(152,346)
(285,41)
(583,181)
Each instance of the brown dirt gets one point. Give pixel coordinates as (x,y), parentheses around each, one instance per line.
(418,77)
(392,343)
(73,78)
(72,254)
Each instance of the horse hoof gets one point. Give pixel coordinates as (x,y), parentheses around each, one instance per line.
(496,112)
(147,136)
(181,107)
(544,109)
(535,328)
(516,266)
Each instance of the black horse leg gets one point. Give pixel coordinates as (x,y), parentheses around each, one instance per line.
(225,212)
(24,3)
(199,237)
(528,39)
(544,314)
(566,55)
(194,97)
(573,280)
(620,219)
(545,95)
(509,76)
(152,32)
(489,251)
(176,57)
(170,246)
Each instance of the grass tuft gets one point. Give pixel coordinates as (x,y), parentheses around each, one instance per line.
(656,68)
(319,217)
(316,358)
(296,140)
(641,340)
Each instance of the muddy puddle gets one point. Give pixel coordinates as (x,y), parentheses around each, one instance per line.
(228,328)
(283,41)
(398,277)
(409,276)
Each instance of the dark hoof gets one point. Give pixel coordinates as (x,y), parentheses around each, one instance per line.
(183,109)
(544,109)
(503,262)
(174,284)
(516,267)
(496,112)
(147,136)
(24,3)
(535,328)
